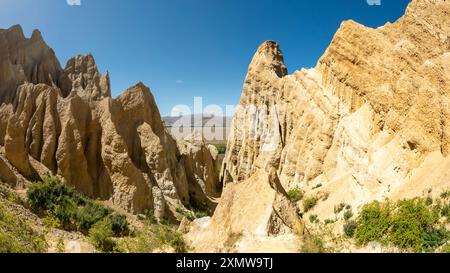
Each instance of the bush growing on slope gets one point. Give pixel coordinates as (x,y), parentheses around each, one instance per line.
(90,214)
(410,222)
(295,195)
(167,237)
(349,229)
(434,238)
(373,222)
(309,203)
(313,218)
(72,210)
(119,224)
(339,208)
(348,215)
(445,211)
(100,235)
(221,148)
(410,225)
(46,194)
(445,194)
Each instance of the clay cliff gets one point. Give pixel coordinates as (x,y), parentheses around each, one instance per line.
(64,121)
(370,121)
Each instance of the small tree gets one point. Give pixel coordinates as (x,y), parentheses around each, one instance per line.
(295,195)
(119,224)
(100,235)
(349,229)
(309,203)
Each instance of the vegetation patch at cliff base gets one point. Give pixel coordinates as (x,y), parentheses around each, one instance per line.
(71,209)
(64,208)
(413,225)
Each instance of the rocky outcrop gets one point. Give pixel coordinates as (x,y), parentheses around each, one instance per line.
(15,148)
(6,173)
(366,123)
(252,216)
(199,163)
(65,121)
(86,79)
(30,60)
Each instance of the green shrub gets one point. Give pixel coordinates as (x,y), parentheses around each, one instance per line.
(445,194)
(221,148)
(324,196)
(349,229)
(329,221)
(348,215)
(45,195)
(65,211)
(429,201)
(445,211)
(180,210)
(410,222)
(317,186)
(295,195)
(309,203)
(100,235)
(433,238)
(339,208)
(190,216)
(90,214)
(407,224)
(119,225)
(71,209)
(313,218)
(50,221)
(142,241)
(373,222)
(168,237)
(178,243)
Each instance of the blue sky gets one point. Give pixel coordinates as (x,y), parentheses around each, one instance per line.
(187,48)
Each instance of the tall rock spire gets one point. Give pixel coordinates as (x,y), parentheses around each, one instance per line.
(270,58)
(86,79)
(26,60)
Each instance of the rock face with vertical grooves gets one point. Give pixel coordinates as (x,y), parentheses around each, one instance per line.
(370,121)
(30,60)
(204,182)
(67,121)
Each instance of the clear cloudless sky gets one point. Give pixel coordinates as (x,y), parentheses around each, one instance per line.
(187,48)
